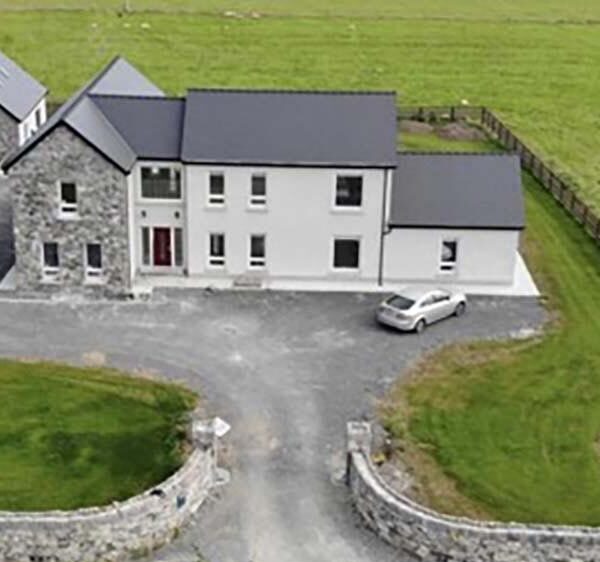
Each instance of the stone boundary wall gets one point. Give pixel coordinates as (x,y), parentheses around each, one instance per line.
(123,530)
(435,537)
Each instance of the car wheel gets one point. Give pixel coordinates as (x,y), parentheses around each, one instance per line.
(460,309)
(420,326)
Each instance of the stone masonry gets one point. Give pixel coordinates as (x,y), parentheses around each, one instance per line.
(431,536)
(9,133)
(102,216)
(125,530)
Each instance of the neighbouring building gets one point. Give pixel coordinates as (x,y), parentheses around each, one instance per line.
(125,188)
(22,105)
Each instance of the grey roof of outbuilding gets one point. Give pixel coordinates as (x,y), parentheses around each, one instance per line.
(85,119)
(19,91)
(353,129)
(150,126)
(457,191)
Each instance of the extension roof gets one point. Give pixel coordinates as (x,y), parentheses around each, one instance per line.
(84,118)
(345,129)
(127,118)
(457,191)
(19,91)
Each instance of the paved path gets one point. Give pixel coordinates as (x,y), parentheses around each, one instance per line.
(287,371)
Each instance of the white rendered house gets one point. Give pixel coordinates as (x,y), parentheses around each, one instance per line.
(267,189)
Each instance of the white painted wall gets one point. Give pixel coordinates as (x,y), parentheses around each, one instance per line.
(28,126)
(484,256)
(299,223)
(152,213)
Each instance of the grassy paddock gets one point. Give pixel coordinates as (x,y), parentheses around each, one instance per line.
(540,10)
(542,78)
(74,437)
(510,430)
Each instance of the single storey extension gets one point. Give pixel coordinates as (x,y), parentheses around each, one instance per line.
(22,105)
(125,188)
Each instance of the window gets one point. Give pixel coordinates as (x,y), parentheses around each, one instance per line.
(348,191)
(449,256)
(346,253)
(50,260)
(161,183)
(178,233)
(216,250)
(145,245)
(258,190)
(93,261)
(216,189)
(257,250)
(38,117)
(68,200)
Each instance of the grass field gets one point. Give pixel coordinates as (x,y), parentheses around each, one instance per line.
(80,437)
(540,10)
(516,426)
(543,78)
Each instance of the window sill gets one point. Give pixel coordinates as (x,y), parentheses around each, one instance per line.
(257,208)
(157,201)
(347,210)
(50,280)
(215,207)
(99,280)
(346,271)
(68,217)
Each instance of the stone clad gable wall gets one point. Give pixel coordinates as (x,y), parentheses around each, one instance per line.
(9,133)
(433,537)
(102,216)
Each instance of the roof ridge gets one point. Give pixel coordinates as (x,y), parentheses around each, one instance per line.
(293,91)
(138,96)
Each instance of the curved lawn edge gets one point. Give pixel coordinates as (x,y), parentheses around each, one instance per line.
(509,433)
(128,529)
(88,436)
(426,533)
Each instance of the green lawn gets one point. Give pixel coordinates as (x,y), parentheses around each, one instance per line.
(542,10)
(516,426)
(79,437)
(542,78)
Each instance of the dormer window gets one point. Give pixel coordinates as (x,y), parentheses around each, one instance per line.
(68,199)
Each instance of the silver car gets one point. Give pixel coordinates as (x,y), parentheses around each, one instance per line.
(415,308)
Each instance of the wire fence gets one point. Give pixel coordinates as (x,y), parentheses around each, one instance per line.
(562,190)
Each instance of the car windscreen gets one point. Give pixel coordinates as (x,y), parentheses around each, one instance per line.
(400,302)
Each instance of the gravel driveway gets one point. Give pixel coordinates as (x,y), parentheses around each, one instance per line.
(287,370)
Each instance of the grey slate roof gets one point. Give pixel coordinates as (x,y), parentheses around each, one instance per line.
(151,127)
(82,116)
(19,92)
(457,191)
(124,79)
(293,128)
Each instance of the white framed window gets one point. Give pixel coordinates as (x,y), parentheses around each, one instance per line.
(258,251)
(93,262)
(216,249)
(160,182)
(50,261)
(38,118)
(68,199)
(258,190)
(216,189)
(449,256)
(346,253)
(348,191)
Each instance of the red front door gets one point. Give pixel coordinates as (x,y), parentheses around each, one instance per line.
(162,247)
